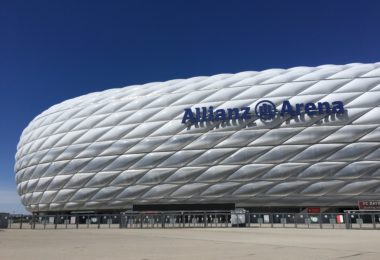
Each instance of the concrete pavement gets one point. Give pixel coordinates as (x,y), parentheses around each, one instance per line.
(218,243)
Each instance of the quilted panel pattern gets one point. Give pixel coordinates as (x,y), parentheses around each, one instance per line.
(125,146)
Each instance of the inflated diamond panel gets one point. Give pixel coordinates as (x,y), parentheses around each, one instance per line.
(119,147)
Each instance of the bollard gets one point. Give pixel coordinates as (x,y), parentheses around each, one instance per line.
(260,221)
(33,222)
(373,220)
(271,220)
(348,225)
(122,221)
(332,221)
(283,221)
(360,222)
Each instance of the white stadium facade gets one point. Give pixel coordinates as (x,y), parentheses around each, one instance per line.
(279,138)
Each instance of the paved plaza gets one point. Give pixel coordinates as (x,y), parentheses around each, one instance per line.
(149,244)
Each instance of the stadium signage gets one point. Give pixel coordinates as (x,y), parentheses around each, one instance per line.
(369,204)
(264,110)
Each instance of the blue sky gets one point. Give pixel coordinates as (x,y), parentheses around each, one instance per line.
(54,50)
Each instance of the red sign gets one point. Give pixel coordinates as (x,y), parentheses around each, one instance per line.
(369,204)
(313,210)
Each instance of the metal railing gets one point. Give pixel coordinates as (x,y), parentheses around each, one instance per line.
(206,219)
(64,221)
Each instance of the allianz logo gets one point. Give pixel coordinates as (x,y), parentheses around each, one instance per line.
(264,110)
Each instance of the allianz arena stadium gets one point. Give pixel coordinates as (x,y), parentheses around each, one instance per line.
(292,138)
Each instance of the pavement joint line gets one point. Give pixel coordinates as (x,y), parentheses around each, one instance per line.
(348,256)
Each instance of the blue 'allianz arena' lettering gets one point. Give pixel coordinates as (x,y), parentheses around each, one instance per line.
(209,114)
(311,109)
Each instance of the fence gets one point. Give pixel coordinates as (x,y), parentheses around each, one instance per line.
(64,221)
(131,220)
